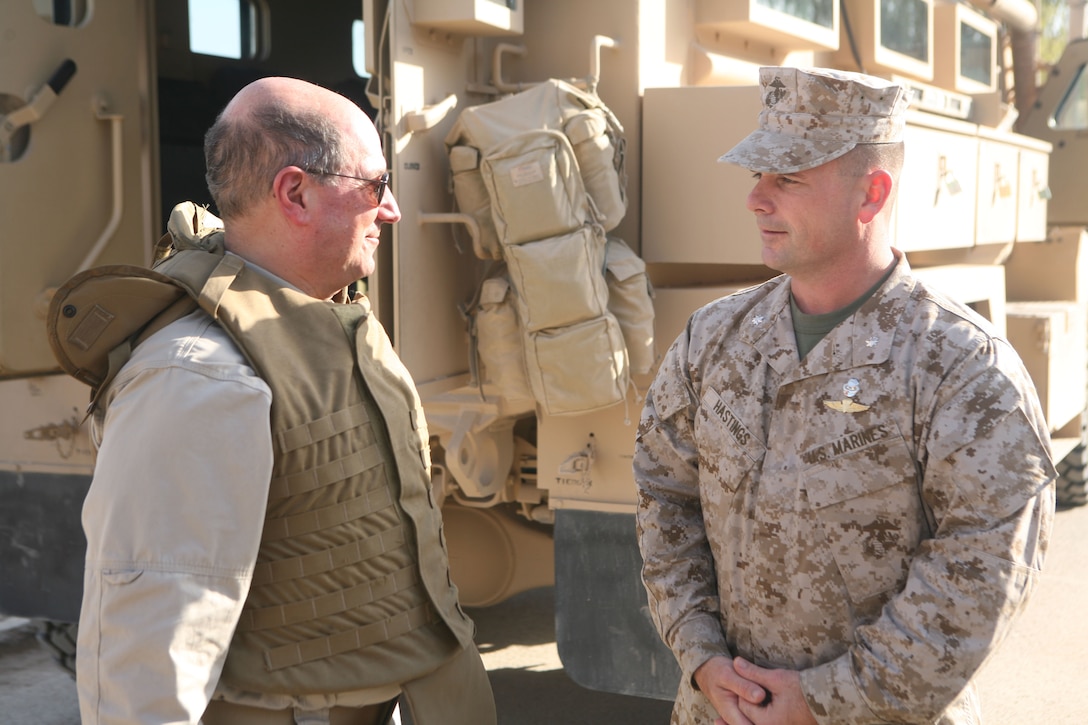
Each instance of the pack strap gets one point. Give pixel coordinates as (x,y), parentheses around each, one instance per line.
(468,314)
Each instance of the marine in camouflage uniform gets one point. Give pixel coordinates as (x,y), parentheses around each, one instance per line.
(873,514)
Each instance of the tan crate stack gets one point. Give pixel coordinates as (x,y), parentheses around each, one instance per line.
(1047,294)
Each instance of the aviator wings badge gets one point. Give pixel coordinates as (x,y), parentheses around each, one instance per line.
(847,404)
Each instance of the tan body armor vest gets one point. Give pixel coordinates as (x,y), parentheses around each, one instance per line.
(351,588)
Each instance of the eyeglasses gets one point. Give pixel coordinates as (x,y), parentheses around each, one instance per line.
(380,184)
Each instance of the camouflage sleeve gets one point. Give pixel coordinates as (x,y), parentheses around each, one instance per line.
(988,480)
(678,567)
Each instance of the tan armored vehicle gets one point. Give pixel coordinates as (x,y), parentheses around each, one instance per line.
(563,215)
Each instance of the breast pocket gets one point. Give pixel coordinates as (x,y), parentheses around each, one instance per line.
(729,446)
(866,498)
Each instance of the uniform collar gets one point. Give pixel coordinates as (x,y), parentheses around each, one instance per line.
(864,338)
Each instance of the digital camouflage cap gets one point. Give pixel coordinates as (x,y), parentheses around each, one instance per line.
(814,115)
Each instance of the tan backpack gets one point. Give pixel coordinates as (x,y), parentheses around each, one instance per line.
(542,174)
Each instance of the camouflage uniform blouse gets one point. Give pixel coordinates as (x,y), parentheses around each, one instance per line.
(874,516)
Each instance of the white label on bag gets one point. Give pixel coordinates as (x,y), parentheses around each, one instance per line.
(524,174)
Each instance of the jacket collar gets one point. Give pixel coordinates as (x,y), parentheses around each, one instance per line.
(865,338)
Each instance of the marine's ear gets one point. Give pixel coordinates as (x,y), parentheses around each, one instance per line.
(878,194)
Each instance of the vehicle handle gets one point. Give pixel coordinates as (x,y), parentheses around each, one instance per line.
(39,104)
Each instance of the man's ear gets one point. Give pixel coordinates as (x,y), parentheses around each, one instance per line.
(291,188)
(878,191)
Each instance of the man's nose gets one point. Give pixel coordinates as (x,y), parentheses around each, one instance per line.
(758,201)
(390,210)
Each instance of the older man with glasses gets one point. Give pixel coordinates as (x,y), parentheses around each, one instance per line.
(263,545)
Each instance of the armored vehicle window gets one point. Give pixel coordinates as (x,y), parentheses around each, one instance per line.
(1072,113)
(820,12)
(904,27)
(224,28)
(358,48)
(70,13)
(976,59)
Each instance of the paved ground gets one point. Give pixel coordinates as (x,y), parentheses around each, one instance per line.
(32,689)
(1038,678)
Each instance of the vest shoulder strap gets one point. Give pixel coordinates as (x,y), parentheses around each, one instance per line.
(205,275)
(109,308)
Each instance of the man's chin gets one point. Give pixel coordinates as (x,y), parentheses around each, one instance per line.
(365,267)
(772,261)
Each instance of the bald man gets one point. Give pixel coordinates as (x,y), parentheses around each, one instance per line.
(263,543)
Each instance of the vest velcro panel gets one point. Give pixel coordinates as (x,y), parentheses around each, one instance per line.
(319,562)
(352,640)
(293,484)
(336,603)
(332,424)
(96,311)
(375,498)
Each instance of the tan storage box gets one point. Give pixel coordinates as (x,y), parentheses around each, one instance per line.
(939,185)
(1056,269)
(698,213)
(981,286)
(472,17)
(1052,340)
(1012,186)
(674,305)
(998,186)
(1033,193)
